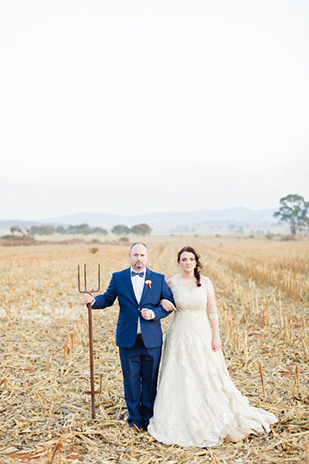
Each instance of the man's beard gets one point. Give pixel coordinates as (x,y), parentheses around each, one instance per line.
(139,265)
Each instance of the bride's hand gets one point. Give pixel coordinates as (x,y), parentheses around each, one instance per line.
(167,305)
(216,343)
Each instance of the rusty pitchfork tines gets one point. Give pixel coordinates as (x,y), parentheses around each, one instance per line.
(92,392)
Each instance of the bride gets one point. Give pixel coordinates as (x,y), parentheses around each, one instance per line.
(197,403)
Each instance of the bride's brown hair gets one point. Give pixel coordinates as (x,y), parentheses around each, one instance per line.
(198,265)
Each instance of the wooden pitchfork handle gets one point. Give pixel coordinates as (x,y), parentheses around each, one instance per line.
(92,391)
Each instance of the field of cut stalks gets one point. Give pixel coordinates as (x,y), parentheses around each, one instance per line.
(45,415)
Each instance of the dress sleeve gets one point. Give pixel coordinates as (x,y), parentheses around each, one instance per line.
(211,302)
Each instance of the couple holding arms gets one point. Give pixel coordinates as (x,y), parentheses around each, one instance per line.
(196,402)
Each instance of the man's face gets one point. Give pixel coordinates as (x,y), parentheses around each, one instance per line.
(138,257)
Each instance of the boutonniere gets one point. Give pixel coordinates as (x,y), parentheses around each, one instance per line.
(148,283)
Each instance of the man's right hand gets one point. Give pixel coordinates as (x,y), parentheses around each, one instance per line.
(88,298)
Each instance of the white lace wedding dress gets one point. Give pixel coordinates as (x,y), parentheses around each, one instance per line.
(197,403)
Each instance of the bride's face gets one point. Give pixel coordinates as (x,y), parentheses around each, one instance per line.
(187,261)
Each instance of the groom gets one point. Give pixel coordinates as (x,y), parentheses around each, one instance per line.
(138,335)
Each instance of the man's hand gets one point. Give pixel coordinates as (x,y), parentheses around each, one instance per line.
(88,298)
(167,305)
(147,314)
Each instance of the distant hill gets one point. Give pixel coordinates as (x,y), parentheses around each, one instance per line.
(205,221)
(173,217)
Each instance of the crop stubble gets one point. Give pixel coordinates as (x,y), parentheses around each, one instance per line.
(262,296)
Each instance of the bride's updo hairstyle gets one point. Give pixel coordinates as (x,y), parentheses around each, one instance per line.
(198,266)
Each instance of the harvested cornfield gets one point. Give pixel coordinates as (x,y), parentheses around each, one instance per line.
(45,414)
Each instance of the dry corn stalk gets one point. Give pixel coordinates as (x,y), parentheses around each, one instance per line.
(262,379)
(33,353)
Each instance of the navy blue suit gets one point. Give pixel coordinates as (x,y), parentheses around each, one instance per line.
(140,358)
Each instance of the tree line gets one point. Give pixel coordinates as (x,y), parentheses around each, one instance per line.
(293,209)
(85,229)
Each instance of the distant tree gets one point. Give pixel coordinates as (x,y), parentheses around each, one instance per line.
(120,229)
(294,210)
(99,231)
(141,229)
(84,229)
(70,229)
(60,230)
(47,230)
(42,230)
(16,229)
(35,230)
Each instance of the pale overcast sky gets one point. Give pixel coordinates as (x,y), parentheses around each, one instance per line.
(136,106)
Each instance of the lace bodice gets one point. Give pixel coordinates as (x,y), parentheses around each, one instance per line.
(189,297)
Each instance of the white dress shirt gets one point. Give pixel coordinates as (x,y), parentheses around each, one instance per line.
(138,287)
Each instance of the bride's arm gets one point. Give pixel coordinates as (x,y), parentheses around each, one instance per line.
(167,305)
(213,317)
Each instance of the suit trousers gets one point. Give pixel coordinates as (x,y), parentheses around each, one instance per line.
(140,366)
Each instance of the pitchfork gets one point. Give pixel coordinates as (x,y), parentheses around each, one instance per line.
(91,392)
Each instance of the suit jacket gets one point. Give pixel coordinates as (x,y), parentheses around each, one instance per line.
(121,286)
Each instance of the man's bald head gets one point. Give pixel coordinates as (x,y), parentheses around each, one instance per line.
(138,256)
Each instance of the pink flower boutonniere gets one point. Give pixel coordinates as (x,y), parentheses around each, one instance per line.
(148,283)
